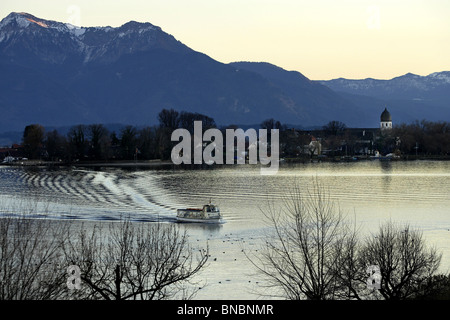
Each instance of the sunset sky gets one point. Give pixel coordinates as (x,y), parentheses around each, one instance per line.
(322,39)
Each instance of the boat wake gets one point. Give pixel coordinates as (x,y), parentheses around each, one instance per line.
(92,195)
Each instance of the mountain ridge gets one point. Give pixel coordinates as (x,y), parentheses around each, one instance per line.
(435,86)
(128,74)
(88,43)
(57,74)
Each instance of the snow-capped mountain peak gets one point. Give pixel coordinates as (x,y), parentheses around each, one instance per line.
(21,19)
(21,30)
(441,76)
(24,20)
(18,22)
(77,31)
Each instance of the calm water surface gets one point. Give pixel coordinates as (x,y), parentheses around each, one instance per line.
(415,192)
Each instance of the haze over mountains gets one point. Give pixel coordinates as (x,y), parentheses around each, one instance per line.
(57,74)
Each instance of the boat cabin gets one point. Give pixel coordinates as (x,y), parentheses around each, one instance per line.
(209,212)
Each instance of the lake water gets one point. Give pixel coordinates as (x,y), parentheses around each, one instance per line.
(371,192)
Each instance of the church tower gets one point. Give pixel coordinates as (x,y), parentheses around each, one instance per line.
(385,120)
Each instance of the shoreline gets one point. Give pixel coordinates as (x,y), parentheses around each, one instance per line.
(118,163)
(158,162)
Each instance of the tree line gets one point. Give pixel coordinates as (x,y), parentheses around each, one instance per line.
(95,142)
(417,138)
(421,138)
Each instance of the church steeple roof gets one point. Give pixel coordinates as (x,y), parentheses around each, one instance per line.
(385,116)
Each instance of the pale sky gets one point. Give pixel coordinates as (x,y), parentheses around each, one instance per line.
(322,39)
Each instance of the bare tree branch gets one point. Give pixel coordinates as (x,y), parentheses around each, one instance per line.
(135,261)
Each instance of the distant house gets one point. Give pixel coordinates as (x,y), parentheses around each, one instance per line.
(363,140)
(15,152)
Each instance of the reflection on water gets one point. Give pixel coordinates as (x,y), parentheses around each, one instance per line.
(415,192)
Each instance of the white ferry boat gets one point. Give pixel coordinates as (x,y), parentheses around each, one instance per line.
(209,214)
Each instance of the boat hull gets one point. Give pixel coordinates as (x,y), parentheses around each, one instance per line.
(198,220)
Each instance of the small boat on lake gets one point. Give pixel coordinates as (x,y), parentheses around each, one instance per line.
(210,213)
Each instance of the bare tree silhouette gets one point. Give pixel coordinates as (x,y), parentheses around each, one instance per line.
(149,261)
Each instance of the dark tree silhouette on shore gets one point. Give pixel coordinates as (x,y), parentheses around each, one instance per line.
(169,119)
(151,261)
(300,260)
(405,262)
(31,259)
(334,128)
(315,253)
(33,138)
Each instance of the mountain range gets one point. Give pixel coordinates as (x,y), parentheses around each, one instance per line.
(409,97)
(57,74)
